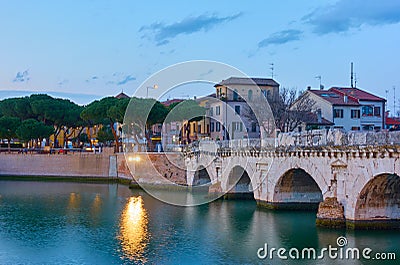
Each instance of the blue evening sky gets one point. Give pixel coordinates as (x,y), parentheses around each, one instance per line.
(101,47)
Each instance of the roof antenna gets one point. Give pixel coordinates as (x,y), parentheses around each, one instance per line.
(355,80)
(394,102)
(321,87)
(272,70)
(351,75)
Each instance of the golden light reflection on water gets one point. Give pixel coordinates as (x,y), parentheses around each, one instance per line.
(74,201)
(133,230)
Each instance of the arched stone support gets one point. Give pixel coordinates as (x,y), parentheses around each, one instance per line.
(342,175)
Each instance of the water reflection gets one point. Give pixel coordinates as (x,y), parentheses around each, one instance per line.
(133,234)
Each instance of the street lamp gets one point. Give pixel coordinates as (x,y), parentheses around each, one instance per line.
(147,89)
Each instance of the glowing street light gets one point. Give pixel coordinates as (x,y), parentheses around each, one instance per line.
(151,87)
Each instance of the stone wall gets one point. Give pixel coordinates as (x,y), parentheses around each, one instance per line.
(68,165)
(153,168)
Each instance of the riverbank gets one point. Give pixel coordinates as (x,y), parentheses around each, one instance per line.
(163,169)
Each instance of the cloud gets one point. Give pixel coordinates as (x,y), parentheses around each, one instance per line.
(62,82)
(281,37)
(162,33)
(21,77)
(126,79)
(92,78)
(345,15)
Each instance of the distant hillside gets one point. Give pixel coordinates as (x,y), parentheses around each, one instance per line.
(81,99)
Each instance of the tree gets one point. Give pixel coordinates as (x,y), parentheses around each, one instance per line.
(8,128)
(288,110)
(32,129)
(61,113)
(108,110)
(17,107)
(186,110)
(141,114)
(105,134)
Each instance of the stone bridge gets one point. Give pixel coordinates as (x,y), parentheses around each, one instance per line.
(352,179)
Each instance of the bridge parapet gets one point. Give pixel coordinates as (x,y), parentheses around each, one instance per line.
(338,138)
(310,143)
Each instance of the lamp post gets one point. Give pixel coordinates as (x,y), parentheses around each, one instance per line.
(147,89)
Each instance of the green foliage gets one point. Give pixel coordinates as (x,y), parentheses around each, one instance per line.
(8,127)
(83,137)
(186,110)
(42,107)
(33,129)
(55,111)
(117,111)
(97,111)
(16,107)
(105,134)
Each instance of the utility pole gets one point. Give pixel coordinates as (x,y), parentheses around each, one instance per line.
(320,83)
(355,80)
(394,102)
(351,75)
(272,70)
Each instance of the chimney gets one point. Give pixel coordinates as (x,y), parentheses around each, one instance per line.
(319,116)
(345,99)
(309,88)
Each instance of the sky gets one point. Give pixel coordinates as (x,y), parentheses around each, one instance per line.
(100,48)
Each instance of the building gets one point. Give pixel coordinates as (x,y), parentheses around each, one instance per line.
(227,113)
(351,109)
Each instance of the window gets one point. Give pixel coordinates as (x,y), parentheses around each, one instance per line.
(237,110)
(199,128)
(264,92)
(355,128)
(218,127)
(237,126)
(253,127)
(377,111)
(250,95)
(367,110)
(368,128)
(355,113)
(235,95)
(211,111)
(218,110)
(338,113)
(212,126)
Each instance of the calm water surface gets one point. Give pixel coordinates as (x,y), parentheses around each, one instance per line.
(76,223)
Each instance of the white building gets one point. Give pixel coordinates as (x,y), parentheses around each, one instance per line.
(351,109)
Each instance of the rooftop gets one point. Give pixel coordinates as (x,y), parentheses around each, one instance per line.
(335,98)
(122,95)
(347,96)
(311,118)
(248,81)
(357,93)
(169,102)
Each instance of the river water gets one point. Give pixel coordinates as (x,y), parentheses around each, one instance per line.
(78,223)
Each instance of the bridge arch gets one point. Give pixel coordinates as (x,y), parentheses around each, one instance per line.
(201,176)
(239,183)
(379,199)
(297,189)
